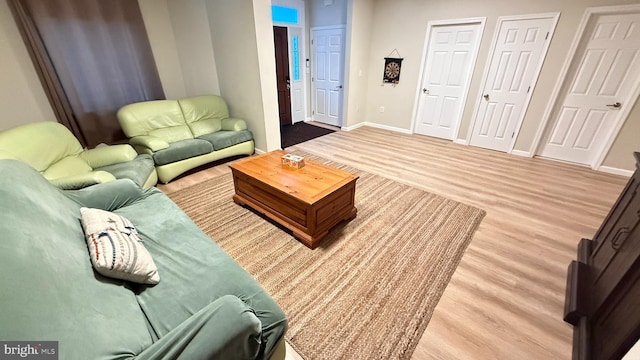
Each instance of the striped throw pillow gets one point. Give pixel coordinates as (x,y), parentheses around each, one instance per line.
(115,247)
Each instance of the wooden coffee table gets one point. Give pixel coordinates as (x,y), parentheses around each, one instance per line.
(308,201)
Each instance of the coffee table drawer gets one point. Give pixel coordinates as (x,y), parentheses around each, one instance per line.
(333,208)
(272,199)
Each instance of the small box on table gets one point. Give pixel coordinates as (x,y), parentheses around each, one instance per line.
(293,161)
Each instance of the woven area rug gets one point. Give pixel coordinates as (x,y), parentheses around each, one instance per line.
(370,288)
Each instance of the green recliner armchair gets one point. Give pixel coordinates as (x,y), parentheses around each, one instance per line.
(183,134)
(51,149)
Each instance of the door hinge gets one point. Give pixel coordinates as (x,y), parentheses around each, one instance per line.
(529,88)
(514,134)
(313,112)
(546,37)
(312,41)
(312,78)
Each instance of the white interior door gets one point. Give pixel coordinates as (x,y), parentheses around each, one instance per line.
(327,77)
(604,74)
(519,51)
(296,70)
(451,55)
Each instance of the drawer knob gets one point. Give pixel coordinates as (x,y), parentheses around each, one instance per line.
(620,238)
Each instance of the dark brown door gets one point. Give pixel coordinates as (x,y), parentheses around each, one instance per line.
(282,72)
(603,287)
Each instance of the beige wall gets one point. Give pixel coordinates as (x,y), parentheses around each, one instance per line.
(180,40)
(360,15)
(268,78)
(22,98)
(157,21)
(327,15)
(243,79)
(190,25)
(409,39)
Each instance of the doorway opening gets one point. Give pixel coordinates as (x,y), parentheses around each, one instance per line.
(280,36)
(289,43)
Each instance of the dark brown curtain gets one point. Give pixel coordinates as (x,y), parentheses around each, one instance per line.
(93,57)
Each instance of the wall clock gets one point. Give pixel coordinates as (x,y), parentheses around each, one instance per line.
(391,70)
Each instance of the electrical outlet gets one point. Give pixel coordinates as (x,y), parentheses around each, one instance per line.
(381,109)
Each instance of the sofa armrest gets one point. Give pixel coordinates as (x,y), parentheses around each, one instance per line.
(150,142)
(108,196)
(232,124)
(108,155)
(82,180)
(226,329)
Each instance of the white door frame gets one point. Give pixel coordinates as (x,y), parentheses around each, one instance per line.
(624,112)
(553,15)
(425,51)
(300,5)
(313,64)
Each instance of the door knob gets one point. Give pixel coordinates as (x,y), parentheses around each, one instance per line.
(616,105)
(339,87)
(425,91)
(486,96)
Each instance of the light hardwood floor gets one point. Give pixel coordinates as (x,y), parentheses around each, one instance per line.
(505,300)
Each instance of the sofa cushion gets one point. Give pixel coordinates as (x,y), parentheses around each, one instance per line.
(137,169)
(58,141)
(48,283)
(160,118)
(143,117)
(224,139)
(188,259)
(79,181)
(115,248)
(104,155)
(70,165)
(203,114)
(205,127)
(181,150)
(172,134)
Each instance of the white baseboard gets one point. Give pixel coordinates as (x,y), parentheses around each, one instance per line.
(616,171)
(387,127)
(258,151)
(352,127)
(460,141)
(520,153)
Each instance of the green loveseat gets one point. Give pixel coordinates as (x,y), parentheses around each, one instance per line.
(184,134)
(204,307)
(51,148)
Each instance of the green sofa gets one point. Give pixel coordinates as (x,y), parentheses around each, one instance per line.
(51,148)
(184,134)
(204,307)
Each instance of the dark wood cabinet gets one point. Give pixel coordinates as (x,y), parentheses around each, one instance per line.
(603,285)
